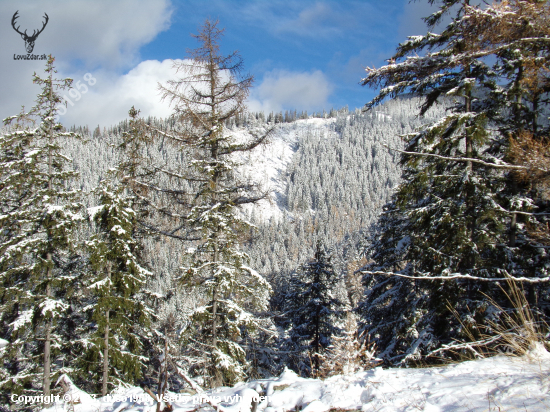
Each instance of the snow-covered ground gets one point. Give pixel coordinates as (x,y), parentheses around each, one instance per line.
(500,383)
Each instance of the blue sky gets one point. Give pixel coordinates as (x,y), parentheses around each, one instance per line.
(304,55)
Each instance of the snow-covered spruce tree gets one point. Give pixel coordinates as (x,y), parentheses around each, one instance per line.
(39,215)
(209,94)
(390,307)
(449,198)
(152,191)
(519,30)
(112,354)
(314,312)
(349,351)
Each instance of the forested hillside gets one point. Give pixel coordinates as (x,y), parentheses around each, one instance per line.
(327,177)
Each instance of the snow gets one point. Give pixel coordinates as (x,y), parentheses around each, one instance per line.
(267,164)
(52,307)
(93,211)
(75,395)
(497,383)
(24,318)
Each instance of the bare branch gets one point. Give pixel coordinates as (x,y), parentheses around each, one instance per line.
(461,159)
(454,276)
(186,378)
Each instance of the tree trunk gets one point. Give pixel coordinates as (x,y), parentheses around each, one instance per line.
(517,118)
(48,326)
(535,114)
(106,339)
(215,304)
(469,166)
(163,374)
(214,154)
(105,355)
(469,192)
(214,318)
(513,219)
(47,340)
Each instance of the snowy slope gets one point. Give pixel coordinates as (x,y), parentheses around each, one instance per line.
(266,165)
(494,384)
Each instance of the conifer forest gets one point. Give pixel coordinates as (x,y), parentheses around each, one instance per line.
(221,245)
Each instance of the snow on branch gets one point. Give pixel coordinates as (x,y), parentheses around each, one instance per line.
(511,212)
(160,209)
(466,345)
(461,159)
(454,276)
(187,379)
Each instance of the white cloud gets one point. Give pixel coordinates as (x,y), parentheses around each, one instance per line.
(102,37)
(107,102)
(281,90)
(308,19)
(103,32)
(317,19)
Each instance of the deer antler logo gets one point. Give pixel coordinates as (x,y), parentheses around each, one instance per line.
(29,40)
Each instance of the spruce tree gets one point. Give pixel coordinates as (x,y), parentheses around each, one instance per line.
(40,213)
(391,304)
(112,353)
(519,30)
(456,213)
(314,312)
(448,201)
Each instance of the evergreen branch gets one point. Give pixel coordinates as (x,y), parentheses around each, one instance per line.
(245,147)
(466,345)
(159,189)
(202,344)
(511,212)
(162,210)
(173,174)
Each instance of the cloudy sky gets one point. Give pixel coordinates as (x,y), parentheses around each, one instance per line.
(304,55)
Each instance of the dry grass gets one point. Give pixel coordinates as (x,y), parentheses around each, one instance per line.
(516,333)
(520,330)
